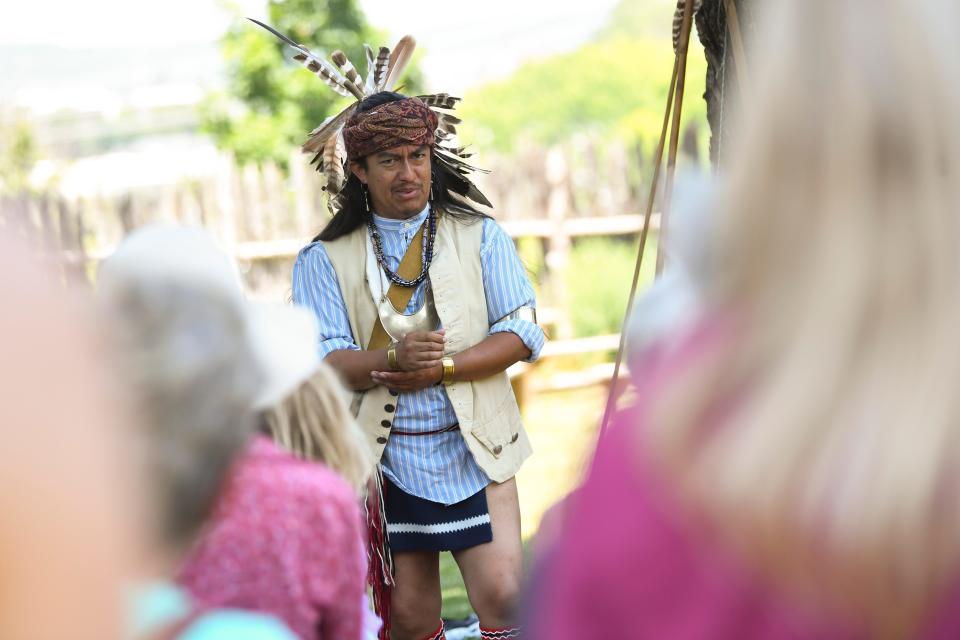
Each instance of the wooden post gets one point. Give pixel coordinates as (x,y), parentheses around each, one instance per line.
(198,192)
(558,243)
(48,237)
(18,217)
(253,195)
(225,197)
(520,385)
(180,213)
(304,196)
(81,232)
(167,207)
(277,220)
(618,170)
(63,223)
(125,213)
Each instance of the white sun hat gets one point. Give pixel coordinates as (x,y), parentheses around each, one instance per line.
(282,337)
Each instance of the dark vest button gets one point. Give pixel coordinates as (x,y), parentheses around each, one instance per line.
(385,424)
(394,393)
(382,440)
(515,437)
(389,408)
(497,449)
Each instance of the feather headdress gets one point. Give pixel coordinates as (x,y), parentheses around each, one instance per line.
(383,71)
(678,19)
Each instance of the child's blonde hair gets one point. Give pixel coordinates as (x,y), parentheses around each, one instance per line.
(315,423)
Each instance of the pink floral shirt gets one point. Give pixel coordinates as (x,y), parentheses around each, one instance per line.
(286,538)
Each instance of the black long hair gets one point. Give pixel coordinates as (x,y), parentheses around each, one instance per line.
(448,188)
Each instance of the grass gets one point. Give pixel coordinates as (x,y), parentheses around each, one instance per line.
(562,428)
(595,305)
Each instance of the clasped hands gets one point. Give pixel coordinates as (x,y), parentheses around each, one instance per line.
(419,356)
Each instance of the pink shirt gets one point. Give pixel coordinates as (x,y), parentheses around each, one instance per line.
(286,539)
(631,564)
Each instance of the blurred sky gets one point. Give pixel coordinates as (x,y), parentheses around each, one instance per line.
(465,43)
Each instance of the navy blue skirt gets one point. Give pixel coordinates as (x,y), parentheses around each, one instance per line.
(415,524)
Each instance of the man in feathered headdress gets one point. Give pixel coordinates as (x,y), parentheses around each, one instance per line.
(423,304)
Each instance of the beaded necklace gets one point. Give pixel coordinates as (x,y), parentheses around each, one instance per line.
(426,254)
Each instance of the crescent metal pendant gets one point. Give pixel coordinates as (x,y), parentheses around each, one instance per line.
(398,324)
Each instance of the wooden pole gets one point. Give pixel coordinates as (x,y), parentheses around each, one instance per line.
(648,214)
(682,48)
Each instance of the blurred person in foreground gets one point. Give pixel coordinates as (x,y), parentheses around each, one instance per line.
(789,471)
(67,542)
(198,358)
(286,536)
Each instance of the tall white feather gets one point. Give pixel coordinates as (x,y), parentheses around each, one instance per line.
(369,83)
(399,59)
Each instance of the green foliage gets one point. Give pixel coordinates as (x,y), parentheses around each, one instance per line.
(640,19)
(598,282)
(614,86)
(530,250)
(18,154)
(271,102)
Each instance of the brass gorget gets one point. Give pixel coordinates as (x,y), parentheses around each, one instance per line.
(398,324)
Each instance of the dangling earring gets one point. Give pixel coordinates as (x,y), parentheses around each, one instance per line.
(433,181)
(366,199)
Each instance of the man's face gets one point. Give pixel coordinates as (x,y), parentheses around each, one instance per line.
(398,180)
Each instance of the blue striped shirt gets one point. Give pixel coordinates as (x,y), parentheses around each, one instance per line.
(437,467)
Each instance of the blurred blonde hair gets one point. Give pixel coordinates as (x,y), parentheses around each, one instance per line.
(315,423)
(838,243)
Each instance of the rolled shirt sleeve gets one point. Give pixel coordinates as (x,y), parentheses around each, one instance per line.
(507,288)
(315,286)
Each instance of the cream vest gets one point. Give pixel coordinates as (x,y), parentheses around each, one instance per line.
(486,409)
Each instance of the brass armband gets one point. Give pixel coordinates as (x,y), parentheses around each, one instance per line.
(392,356)
(447,370)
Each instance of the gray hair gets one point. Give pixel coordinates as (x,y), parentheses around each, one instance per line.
(185,353)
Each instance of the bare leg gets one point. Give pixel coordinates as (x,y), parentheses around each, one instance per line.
(415,607)
(492,571)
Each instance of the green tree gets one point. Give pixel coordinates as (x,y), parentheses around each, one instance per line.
(640,19)
(597,303)
(271,102)
(615,85)
(18,154)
